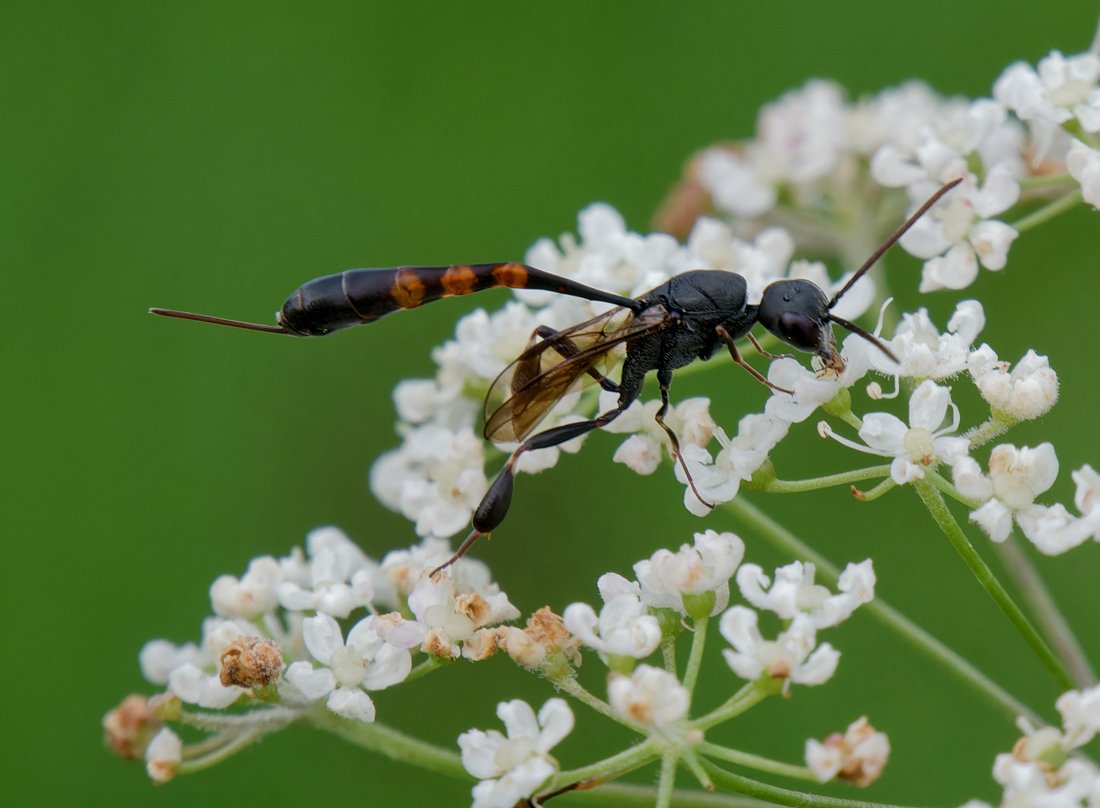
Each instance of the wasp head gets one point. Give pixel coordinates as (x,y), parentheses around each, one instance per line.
(797,312)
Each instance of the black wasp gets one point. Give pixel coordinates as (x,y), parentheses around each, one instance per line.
(686,318)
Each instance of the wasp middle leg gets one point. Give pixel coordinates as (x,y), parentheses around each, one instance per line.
(664,379)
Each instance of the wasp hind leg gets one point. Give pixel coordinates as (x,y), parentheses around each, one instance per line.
(494,505)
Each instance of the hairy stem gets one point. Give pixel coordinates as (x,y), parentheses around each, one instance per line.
(393,744)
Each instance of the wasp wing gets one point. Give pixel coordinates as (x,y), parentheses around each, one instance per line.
(565,362)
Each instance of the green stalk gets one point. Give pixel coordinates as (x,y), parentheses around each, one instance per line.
(1048,211)
(757,762)
(920,639)
(933,500)
(782,796)
(816,483)
(1036,594)
(695,656)
(393,744)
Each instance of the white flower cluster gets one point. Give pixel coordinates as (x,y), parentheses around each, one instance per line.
(512,767)
(292,605)
(694,581)
(691,582)
(1017,475)
(1043,769)
(437,476)
(813,146)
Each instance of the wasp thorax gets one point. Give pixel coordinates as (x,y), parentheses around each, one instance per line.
(798,313)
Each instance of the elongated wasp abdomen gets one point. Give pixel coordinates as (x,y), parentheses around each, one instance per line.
(357,296)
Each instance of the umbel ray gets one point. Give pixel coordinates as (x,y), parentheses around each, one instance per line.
(688,317)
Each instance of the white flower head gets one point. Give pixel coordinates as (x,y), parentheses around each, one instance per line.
(649,695)
(920,443)
(623,627)
(451,610)
(959,232)
(512,767)
(713,478)
(163,756)
(1026,391)
(793,656)
(336,577)
(1080,711)
(705,567)
(859,755)
(1061,89)
(1083,164)
(794,592)
(924,353)
(249,596)
(364,661)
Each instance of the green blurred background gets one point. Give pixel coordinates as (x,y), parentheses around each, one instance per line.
(213,156)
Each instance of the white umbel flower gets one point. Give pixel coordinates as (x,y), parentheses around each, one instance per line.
(793,656)
(705,567)
(364,661)
(649,695)
(623,627)
(163,756)
(858,756)
(512,767)
(251,595)
(1026,391)
(916,445)
(794,592)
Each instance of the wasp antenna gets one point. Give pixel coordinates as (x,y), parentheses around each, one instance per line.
(871,338)
(890,242)
(206,318)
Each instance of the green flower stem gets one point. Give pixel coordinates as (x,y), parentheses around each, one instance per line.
(1035,593)
(997,425)
(877,491)
(741,701)
(920,639)
(219,753)
(782,796)
(1045,181)
(628,794)
(757,762)
(695,656)
(432,663)
(693,764)
(667,780)
(1048,211)
(267,718)
(610,767)
(570,685)
(933,500)
(827,481)
(668,653)
(947,488)
(393,744)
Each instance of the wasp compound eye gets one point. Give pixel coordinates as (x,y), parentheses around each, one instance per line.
(799,330)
